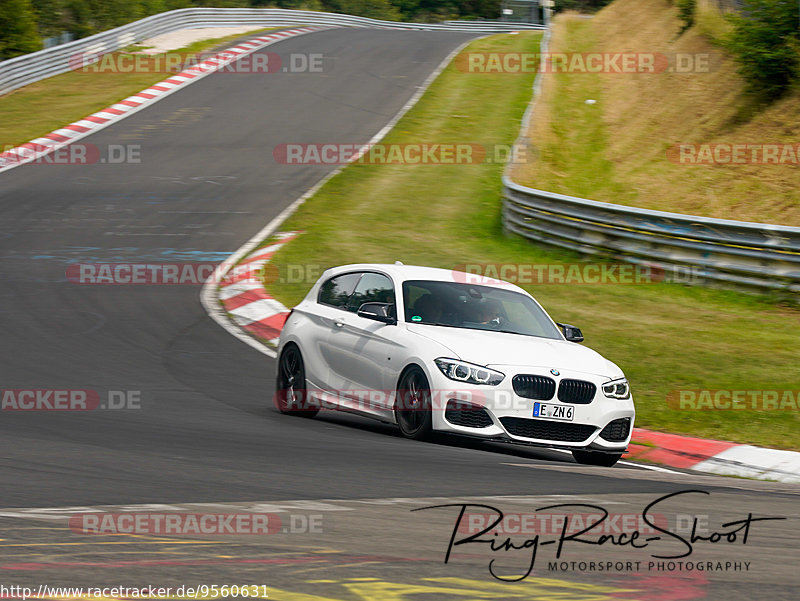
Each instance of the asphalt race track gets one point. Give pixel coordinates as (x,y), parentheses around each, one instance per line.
(205,432)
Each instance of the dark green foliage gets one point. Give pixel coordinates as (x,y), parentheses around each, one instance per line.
(374,9)
(765,42)
(49,17)
(584,6)
(686,12)
(18,33)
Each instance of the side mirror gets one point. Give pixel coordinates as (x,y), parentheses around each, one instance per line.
(377,312)
(571,333)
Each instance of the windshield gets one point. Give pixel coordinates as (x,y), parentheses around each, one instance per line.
(474,307)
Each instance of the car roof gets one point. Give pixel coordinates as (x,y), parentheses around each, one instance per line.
(417,272)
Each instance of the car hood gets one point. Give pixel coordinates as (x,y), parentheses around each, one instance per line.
(494,349)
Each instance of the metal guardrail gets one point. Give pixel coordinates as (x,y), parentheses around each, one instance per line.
(29,68)
(510,25)
(736,252)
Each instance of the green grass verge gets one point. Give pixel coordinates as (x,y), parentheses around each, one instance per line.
(39,108)
(573,161)
(710,20)
(664,336)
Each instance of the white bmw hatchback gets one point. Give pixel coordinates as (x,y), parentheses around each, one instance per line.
(434,350)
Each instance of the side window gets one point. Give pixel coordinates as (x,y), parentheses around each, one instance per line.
(337,290)
(373,288)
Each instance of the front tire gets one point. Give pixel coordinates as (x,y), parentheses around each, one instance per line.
(413,405)
(291,396)
(595,458)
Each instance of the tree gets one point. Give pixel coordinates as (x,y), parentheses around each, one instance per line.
(49,17)
(584,6)
(79,18)
(374,9)
(18,33)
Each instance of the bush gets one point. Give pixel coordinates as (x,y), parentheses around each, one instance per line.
(583,6)
(374,9)
(686,12)
(49,17)
(764,42)
(18,33)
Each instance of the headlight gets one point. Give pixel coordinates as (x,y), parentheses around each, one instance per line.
(618,389)
(468,372)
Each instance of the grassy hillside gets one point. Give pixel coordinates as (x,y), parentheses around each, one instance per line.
(618,149)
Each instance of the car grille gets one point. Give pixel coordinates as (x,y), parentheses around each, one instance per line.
(540,388)
(617,430)
(460,413)
(579,392)
(547,430)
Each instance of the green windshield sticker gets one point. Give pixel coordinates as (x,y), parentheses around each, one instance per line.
(416,318)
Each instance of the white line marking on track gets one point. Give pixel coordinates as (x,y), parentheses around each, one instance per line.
(653,468)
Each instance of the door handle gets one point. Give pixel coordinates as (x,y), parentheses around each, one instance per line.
(338,323)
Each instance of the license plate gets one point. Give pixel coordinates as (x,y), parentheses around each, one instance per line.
(561,412)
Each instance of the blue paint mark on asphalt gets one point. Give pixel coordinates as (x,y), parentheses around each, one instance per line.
(197,255)
(95,254)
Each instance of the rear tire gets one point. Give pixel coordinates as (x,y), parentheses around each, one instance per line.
(291,395)
(596,458)
(412,407)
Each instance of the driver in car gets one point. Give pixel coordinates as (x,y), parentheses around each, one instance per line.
(488,313)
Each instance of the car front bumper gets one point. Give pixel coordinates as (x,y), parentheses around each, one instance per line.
(497,412)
